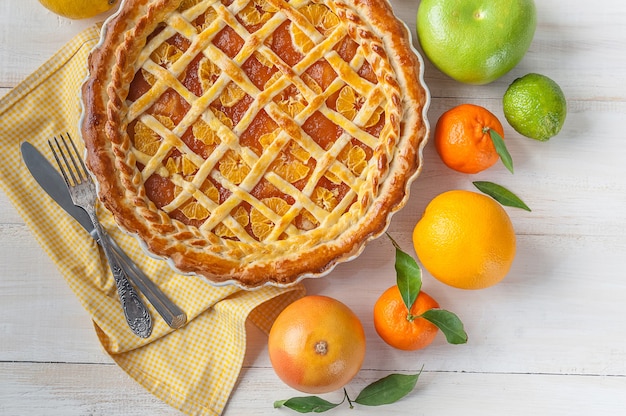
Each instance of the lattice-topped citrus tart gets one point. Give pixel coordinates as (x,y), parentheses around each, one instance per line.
(254,141)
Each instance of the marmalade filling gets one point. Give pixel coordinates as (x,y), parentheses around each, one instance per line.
(229,150)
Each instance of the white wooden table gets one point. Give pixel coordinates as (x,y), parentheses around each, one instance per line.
(549,340)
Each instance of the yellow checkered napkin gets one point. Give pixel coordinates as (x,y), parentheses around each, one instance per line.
(194,368)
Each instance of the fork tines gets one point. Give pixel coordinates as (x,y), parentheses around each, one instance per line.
(77,175)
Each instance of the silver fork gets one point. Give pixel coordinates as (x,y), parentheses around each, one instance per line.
(83,193)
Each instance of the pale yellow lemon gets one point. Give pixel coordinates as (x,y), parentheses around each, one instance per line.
(78,9)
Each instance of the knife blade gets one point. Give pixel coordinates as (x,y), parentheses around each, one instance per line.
(53,184)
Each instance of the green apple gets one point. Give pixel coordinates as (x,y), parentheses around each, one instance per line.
(476,41)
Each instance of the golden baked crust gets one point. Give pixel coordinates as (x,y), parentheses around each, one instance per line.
(254,142)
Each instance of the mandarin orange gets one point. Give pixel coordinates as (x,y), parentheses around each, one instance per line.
(463,140)
(401,328)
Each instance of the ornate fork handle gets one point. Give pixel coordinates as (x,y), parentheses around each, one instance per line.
(169,311)
(137,316)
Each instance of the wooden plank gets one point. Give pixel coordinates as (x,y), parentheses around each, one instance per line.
(541,302)
(50,389)
(37,40)
(549,340)
(447,394)
(44,321)
(572,183)
(562,298)
(75,389)
(569,45)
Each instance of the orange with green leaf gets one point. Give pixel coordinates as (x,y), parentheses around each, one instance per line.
(407,318)
(469,139)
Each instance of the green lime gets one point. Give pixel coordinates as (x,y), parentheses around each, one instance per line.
(534,105)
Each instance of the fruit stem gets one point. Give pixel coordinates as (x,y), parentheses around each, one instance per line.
(410,317)
(346,397)
(321,347)
(393,241)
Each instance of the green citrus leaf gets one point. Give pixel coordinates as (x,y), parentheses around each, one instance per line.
(501,194)
(409,277)
(306,404)
(501,149)
(449,323)
(387,390)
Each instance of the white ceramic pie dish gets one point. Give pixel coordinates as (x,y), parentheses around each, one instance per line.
(363,244)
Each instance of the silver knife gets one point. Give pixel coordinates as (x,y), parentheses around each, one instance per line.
(51,181)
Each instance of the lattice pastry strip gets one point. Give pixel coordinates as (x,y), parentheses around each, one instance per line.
(260,140)
(242,191)
(220,59)
(219,216)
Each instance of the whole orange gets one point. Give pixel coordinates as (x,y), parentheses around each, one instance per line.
(465,239)
(462,138)
(401,328)
(316,344)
